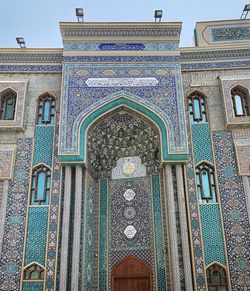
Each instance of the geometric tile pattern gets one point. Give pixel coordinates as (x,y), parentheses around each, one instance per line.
(32,286)
(103,236)
(196,241)
(234,210)
(142,243)
(1,193)
(44,138)
(98,46)
(6,164)
(53,226)
(79,99)
(212,233)
(36,236)
(89,251)
(119,135)
(12,249)
(202,143)
(20,88)
(159,242)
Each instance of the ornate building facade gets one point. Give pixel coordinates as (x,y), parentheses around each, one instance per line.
(125,160)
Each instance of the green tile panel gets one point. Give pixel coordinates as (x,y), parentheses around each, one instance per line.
(212,233)
(202,143)
(43,144)
(36,235)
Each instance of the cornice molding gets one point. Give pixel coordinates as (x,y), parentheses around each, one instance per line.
(30,58)
(126,31)
(210,55)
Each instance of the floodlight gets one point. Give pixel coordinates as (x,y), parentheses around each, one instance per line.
(79,14)
(21,42)
(247,7)
(245,11)
(158,15)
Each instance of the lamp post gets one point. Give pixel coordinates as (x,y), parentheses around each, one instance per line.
(21,42)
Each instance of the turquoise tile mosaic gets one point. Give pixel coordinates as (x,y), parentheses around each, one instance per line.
(89,251)
(44,137)
(103,236)
(202,143)
(161,272)
(212,233)
(33,286)
(36,235)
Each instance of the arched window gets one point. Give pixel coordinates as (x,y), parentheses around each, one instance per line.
(33,272)
(8,104)
(206,183)
(197,107)
(241,101)
(216,278)
(40,188)
(46,109)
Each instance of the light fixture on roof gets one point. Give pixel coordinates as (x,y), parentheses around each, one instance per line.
(21,42)
(158,15)
(245,11)
(79,14)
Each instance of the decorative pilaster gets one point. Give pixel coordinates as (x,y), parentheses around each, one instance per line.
(65,230)
(184,229)
(246,183)
(77,229)
(3,205)
(172,229)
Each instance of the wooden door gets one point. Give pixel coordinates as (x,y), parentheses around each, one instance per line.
(131,274)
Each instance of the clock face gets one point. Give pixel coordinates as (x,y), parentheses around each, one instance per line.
(128,168)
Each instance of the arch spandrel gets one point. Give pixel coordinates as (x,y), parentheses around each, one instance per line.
(85,122)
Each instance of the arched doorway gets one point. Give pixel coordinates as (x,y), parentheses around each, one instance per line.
(123,201)
(131,274)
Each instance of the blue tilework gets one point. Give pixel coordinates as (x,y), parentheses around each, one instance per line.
(32,286)
(30,68)
(54,214)
(212,233)
(202,143)
(152,46)
(103,236)
(89,252)
(234,209)
(36,235)
(77,105)
(231,33)
(160,255)
(214,65)
(43,147)
(12,248)
(120,59)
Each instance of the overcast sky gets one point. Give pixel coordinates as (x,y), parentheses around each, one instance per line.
(38,20)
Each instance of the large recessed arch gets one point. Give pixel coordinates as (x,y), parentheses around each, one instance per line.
(133,106)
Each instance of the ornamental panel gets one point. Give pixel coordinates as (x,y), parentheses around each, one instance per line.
(162,95)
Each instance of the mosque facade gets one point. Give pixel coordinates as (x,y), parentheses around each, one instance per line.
(125,160)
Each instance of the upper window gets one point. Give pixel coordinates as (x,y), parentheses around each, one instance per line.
(40,187)
(46,109)
(206,183)
(33,272)
(216,278)
(8,104)
(197,107)
(241,101)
